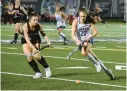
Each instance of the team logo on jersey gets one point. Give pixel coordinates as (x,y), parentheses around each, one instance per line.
(84,28)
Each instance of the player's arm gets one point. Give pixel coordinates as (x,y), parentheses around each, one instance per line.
(74,30)
(25,28)
(98,9)
(94,30)
(44,35)
(64,15)
(10,10)
(24,11)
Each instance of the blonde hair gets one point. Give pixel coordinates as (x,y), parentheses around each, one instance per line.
(83,10)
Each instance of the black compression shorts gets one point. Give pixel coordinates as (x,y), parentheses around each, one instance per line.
(17,20)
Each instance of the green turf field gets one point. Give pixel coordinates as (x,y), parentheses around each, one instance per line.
(109,46)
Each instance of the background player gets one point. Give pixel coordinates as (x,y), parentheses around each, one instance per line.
(97,15)
(60,18)
(16,10)
(31,44)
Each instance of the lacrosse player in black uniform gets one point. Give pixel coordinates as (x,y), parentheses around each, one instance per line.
(97,15)
(31,44)
(16,11)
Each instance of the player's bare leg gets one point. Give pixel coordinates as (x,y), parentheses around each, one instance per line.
(17,32)
(62,35)
(85,52)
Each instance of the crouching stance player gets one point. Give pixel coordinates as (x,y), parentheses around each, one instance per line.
(31,44)
(81,35)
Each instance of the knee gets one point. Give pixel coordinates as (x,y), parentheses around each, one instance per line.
(89,51)
(17,28)
(38,57)
(29,59)
(59,32)
(84,53)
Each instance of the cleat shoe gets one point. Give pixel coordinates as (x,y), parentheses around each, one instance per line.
(13,42)
(98,67)
(48,72)
(37,75)
(65,42)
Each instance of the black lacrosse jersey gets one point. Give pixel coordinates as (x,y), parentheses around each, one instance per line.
(33,35)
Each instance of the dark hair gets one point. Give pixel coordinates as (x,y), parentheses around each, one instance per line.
(62,8)
(89,19)
(33,15)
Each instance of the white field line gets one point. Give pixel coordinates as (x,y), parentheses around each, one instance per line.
(121,67)
(103,40)
(97,48)
(7,35)
(69,29)
(76,67)
(101,47)
(9,48)
(102,34)
(68,80)
(109,49)
(121,47)
(62,58)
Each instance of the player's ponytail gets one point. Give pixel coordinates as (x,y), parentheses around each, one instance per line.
(91,18)
(32,15)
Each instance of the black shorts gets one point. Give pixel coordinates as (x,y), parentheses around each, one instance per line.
(17,20)
(33,40)
(97,14)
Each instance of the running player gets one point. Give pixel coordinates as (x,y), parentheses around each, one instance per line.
(31,44)
(97,15)
(16,11)
(81,35)
(60,18)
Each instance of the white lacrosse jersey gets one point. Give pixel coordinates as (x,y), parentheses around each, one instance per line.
(83,31)
(60,20)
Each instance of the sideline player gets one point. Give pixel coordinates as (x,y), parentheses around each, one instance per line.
(60,18)
(31,44)
(16,11)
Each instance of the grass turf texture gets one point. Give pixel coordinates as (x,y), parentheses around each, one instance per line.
(108,51)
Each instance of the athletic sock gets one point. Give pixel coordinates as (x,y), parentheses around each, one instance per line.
(16,36)
(62,36)
(43,62)
(101,63)
(91,58)
(80,47)
(34,66)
